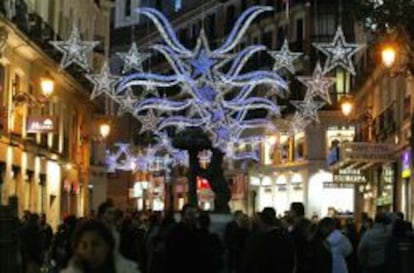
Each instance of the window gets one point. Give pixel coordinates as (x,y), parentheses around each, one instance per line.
(230,14)
(212,26)
(267,38)
(281,35)
(127,10)
(243,5)
(299,147)
(342,84)
(178,4)
(158,5)
(299,30)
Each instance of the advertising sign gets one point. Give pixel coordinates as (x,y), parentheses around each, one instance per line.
(406,164)
(368,151)
(349,176)
(41,124)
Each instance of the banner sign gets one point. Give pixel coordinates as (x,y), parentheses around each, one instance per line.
(41,124)
(367,151)
(349,176)
(406,164)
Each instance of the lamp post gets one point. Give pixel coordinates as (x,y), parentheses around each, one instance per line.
(347,105)
(104,129)
(47,85)
(388,56)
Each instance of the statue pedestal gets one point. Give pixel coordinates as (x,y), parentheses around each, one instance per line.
(218,222)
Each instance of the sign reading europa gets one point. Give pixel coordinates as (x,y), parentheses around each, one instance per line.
(349,176)
(45,124)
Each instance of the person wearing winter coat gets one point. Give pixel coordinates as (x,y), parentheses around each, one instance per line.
(371,249)
(94,251)
(341,248)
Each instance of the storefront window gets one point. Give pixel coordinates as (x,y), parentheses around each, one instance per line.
(299,149)
(385,187)
(335,136)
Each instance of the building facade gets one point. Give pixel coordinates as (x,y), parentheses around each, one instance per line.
(45,138)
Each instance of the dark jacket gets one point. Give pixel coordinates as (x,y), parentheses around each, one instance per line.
(318,256)
(269,251)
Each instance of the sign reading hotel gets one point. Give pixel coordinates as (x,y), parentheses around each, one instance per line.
(349,176)
(44,124)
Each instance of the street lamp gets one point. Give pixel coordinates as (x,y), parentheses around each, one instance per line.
(104,129)
(47,85)
(346,105)
(388,55)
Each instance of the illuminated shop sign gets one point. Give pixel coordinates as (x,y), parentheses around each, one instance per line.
(368,151)
(41,124)
(406,164)
(349,176)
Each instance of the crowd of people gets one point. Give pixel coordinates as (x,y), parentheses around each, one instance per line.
(118,242)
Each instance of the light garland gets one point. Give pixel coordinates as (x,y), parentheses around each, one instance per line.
(216,100)
(201,72)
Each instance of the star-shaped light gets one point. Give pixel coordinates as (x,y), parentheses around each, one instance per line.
(150,89)
(104,82)
(133,59)
(285,58)
(149,122)
(202,62)
(339,52)
(127,102)
(308,109)
(318,84)
(74,50)
(298,124)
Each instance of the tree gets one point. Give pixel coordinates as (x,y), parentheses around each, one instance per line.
(383,16)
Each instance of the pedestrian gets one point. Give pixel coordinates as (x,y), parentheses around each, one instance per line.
(318,257)
(94,251)
(300,231)
(270,249)
(341,248)
(371,249)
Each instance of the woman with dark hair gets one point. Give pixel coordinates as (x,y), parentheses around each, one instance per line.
(93,251)
(319,255)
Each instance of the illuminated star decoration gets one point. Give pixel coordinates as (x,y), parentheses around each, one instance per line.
(285,58)
(74,50)
(308,109)
(298,124)
(200,70)
(148,122)
(127,102)
(339,52)
(104,82)
(133,59)
(318,85)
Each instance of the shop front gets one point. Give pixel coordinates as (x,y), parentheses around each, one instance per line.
(371,169)
(276,190)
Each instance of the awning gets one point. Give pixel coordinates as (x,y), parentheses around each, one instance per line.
(361,155)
